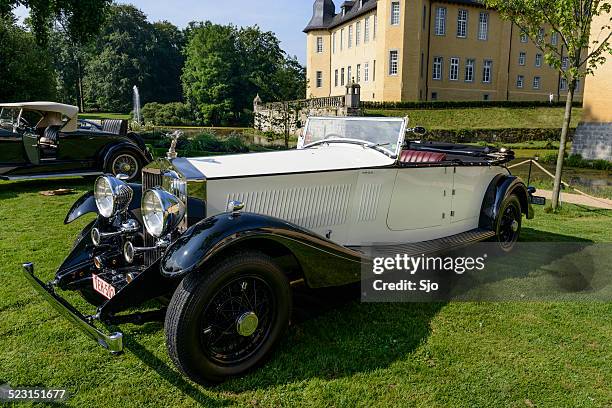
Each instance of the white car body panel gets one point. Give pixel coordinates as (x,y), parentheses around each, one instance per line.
(355,196)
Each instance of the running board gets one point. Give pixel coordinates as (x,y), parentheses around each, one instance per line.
(53,175)
(433,246)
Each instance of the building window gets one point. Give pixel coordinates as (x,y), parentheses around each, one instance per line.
(341,39)
(536,82)
(358,73)
(565,63)
(319,79)
(424,17)
(366,30)
(393,62)
(366,72)
(522,58)
(563,84)
(485,97)
(486,71)
(462,21)
(350,36)
(334,43)
(349,75)
(541,35)
(554,39)
(342,77)
(434,96)
(375,26)
(374,70)
(319,45)
(440,28)
(524,37)
(538,61)
(469,70)
(395,13)
(453,74)
(336,78)
(483,26)
(520,80)
(577,85)
(422,68)
(437,68)
(357,33)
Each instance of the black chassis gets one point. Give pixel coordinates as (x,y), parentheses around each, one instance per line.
(304,255)
(85,152)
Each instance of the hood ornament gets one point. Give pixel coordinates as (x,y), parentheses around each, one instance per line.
(174,136)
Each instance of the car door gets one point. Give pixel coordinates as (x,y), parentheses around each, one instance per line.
(12,152)
(469,185)
(421,198)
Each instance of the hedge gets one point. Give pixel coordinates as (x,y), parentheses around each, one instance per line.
(462,104)
(495,135)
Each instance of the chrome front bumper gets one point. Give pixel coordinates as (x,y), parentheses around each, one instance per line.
(112,342)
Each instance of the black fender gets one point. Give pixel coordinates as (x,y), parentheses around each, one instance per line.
(501,187)
(321,261)
(74,271)
(86,204)
(109,151)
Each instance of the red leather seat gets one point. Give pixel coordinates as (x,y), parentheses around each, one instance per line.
(417,156)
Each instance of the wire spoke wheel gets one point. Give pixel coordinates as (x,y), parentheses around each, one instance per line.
(509,224)
(237,320)
(125,164)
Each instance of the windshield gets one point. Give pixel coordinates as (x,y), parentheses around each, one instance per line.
(8,117)
(385,133)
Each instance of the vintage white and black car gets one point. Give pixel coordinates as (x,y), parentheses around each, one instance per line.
(47,139)
(219,241)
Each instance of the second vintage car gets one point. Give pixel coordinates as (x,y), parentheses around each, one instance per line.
(46,139)
(219,241)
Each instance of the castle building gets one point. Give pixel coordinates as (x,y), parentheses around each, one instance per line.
(426,50)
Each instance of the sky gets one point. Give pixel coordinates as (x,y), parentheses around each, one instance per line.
(286,18)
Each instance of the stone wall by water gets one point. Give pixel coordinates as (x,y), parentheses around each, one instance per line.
(593,141)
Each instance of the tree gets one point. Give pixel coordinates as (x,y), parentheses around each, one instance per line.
(82,18)
(579,55)
(131,51)
(26,72)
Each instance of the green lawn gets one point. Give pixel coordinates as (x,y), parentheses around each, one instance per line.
(426,355)
(482,118)
(102,115)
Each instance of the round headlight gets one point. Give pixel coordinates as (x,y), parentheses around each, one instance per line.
(162,212)
(112,196)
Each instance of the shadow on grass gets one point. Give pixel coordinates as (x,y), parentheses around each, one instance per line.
(533,235)
(12,189)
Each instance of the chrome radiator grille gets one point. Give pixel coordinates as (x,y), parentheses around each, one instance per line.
(150,178)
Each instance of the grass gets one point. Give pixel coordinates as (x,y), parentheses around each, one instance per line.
(103,115)
(482,118)
(516,354)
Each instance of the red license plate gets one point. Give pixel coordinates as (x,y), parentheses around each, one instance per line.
(102,287)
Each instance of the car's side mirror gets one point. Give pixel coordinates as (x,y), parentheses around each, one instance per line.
(419,130)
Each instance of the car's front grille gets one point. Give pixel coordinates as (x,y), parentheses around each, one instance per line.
(150,178)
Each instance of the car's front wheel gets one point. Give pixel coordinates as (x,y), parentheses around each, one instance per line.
(228,320)
(125,162)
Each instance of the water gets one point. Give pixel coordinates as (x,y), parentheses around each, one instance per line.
(136,103)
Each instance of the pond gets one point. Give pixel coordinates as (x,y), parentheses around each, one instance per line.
(595,182)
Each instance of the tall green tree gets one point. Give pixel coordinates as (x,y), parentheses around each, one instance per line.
(26,71)
(226,67)
(131,51)
(579,54)
(82,18)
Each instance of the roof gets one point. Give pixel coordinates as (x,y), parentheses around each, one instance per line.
(66,110)
(325,17)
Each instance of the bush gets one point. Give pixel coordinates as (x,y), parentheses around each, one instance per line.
(210,142)
(462,104)
(576,160)
(169,114)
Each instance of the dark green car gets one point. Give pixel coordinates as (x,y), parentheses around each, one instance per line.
(46,139)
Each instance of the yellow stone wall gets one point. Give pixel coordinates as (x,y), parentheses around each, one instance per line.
(598,90)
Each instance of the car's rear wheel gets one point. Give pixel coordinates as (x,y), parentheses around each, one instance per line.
(125,162)
(508,225)
(226,322)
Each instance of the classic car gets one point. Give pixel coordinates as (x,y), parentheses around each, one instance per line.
(46,139)
(220,241)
